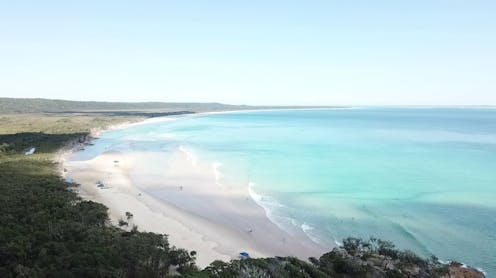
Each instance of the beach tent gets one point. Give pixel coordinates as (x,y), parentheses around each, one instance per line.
(244,255)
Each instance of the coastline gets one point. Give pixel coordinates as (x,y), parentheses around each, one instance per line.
(236,223)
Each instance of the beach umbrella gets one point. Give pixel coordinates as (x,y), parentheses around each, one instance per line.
(244,255)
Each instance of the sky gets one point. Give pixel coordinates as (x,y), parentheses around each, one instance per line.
(423,52)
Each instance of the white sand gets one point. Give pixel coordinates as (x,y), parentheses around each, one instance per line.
(189,202)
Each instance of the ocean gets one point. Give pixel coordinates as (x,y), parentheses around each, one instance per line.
(424,178)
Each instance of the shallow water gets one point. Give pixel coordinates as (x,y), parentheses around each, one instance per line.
(423,178)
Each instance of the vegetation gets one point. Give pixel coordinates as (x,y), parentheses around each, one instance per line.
(48,231)
(16,105)
(357,258)
(68,125)
(19,105)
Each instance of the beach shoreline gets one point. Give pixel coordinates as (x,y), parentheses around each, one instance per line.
(236,223)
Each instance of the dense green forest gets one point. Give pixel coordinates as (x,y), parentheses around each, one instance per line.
(48,231)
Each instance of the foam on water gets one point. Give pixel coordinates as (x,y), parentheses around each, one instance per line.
(309,231)
(270,206)
(190,154)
(217,174)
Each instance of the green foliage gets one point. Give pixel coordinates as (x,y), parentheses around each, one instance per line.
(269,267)
(353,245)
(62,124)
(5,148)
(44,143)
(336,262)
(122,223)
(220,269)
(33,105)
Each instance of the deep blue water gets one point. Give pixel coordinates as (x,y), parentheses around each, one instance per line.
(422,178)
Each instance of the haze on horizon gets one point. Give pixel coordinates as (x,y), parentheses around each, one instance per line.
(251,52)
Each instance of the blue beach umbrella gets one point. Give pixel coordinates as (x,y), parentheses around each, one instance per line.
(244,255)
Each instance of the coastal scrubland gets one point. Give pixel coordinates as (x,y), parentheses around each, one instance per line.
(20,105)
(47,230)
(17,105)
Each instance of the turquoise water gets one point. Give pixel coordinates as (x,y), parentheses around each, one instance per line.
(423,178)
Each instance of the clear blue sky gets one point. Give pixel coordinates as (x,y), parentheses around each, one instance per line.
(423,52)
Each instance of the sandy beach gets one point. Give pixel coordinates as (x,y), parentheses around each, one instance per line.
(189,202)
